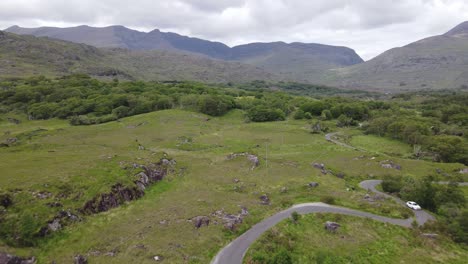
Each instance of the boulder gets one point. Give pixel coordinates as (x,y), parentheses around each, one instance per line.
(11,259)
(244,211)
(80,259)
(264,200)
(200,221)
(386,166)
(319,166)
(313,184)
(284,189)
(464,171)
(331,226)
(254,160)
(236,180)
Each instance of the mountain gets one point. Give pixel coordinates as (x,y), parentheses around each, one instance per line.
(436,62)
(29,55)
(298,61)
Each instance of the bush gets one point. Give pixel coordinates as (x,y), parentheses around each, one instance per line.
(392,184)
(295,216)
(264,114)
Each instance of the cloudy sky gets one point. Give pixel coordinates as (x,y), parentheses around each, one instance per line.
(368,26)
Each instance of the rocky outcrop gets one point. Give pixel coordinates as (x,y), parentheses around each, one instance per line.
(10,259)
(200,221)
(61,219)
(118,195)
(231,221)
(320,166)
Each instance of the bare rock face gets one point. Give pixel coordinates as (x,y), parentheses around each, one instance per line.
(331,226)
(118,195)
(10,259)
(200,221)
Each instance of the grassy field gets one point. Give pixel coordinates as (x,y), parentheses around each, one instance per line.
(356,241)
(84,161)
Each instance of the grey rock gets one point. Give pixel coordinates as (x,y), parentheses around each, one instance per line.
(264,199)
(80,259)
(331,226)
(319,166)
(11,259)
(200,221)
(430,235)
(313,184)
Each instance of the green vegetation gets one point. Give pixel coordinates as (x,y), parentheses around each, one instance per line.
(447,200)
(50,165)
(356,241)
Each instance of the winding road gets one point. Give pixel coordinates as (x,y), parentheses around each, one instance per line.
(234,252)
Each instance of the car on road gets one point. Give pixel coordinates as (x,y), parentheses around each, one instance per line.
(413,205)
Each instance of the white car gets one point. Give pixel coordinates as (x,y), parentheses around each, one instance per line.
(413,205)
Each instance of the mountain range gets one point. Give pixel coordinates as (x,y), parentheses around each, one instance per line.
(296,60)
(432,63)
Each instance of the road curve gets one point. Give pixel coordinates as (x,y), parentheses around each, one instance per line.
(235,251)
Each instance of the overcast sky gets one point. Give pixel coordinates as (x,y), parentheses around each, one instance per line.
(368,26)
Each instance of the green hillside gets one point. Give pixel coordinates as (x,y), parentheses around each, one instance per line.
(28,55)
(72,188)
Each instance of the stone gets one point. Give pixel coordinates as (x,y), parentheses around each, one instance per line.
(11,141)
(244,211)
(367,196)
(319,166)
(386,166)
(331,226)
(340,175)
(264,199)
(80,259)
(464,171)
(55,225)
(200,221)
(236,180)
(313,184)
(254,160)
(158,258)
(284,189)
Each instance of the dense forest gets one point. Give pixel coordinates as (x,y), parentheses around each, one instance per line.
(435,124)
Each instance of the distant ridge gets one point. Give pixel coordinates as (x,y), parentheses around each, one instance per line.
(296,60)
(29,55)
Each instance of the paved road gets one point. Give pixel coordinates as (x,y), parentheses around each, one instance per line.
(235,251)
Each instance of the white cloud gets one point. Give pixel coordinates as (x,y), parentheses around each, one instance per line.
(368,26)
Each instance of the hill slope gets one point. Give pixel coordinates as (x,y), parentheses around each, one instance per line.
(433,63)
(28,55)
(297,61)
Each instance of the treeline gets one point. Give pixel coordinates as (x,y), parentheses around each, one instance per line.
(436,126)
(447,200)
(86,101)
